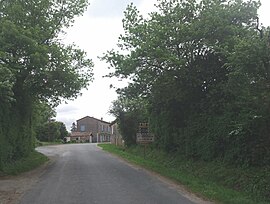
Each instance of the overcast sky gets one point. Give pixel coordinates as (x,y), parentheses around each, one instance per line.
(96,32)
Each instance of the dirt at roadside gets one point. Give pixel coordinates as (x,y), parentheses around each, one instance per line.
(12,188)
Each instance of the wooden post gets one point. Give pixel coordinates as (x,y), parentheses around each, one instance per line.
(144,151)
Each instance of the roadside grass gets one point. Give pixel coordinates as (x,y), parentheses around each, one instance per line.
(39,143)
(25,164)
(213,181)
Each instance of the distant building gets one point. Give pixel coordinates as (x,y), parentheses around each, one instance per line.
(91,129)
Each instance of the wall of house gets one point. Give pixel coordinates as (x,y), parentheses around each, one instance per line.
(116,137)
(101,130)
(87,124)
(104,131)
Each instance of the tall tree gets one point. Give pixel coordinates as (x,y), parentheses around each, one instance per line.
(36,66)
(73,127)
(206,87)
(129,113)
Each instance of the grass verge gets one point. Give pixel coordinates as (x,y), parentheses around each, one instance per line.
(40,143)
(214,181)
(31,162)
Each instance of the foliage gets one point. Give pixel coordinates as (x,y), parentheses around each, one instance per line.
(35,67)
(73,127)
(129,114)
(42,113)
(202,69)
(33,53)
(52,131)
(24,164)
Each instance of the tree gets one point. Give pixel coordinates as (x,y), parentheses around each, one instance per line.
(205,86)
(52,131)
(36,66)
(33,53)
(42,113)
(129,113)
(73,127)
(63,130)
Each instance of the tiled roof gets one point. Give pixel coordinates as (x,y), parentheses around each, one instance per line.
(113,122)
(94,119)
(80,134)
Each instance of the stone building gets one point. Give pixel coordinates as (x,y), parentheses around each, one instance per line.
(116,137)
(90,129)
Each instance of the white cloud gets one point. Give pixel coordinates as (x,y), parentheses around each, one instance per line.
(147,7)
(68,108)
(94,35)
(108,8)
(264,13)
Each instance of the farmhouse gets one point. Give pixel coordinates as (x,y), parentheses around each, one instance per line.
(90,129)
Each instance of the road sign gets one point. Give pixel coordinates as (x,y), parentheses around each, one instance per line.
(143,135)
(145,138)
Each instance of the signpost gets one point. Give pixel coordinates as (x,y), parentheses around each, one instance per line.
(143,135)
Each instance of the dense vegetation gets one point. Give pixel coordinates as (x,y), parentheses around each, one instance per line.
(36,69)
(24,164)
(201,70)
(46,129)
(52,131)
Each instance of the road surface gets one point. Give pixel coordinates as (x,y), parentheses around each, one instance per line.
(83,173)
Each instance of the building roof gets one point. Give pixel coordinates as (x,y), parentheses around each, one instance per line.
(80,134)
(94,119)
(113,122)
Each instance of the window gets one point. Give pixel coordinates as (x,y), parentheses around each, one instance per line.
(82,128)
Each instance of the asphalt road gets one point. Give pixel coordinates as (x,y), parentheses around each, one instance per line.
(83,173)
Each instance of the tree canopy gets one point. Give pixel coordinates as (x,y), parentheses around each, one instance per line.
(32,54)
(36,66)
(203,69)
